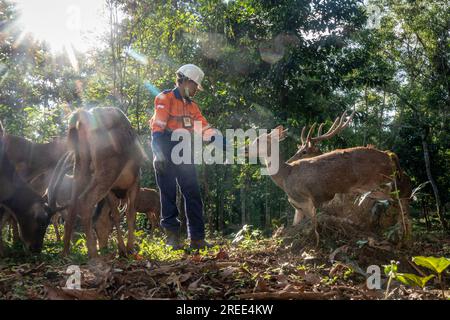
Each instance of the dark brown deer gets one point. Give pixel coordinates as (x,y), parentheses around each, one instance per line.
(29,209)
(32,159)
(102,220)
(108,157)
(310,182)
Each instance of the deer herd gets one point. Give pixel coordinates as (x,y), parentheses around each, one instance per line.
(92,177)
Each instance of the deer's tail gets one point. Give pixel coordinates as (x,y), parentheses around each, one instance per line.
(62,167)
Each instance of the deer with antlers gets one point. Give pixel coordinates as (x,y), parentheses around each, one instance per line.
(308,147)
(310,178)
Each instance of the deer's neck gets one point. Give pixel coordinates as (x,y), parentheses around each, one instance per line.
(279,174)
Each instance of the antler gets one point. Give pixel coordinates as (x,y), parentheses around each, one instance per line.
(338,125)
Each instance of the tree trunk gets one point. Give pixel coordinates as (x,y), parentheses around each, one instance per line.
(207,214)
(112,43)
(366,99)
(223,188)
(243,205)
(267,207)
(439,207)
(138,100)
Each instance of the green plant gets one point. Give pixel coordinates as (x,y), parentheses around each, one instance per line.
(247,237)
(437,265)
(391,272)
(330,280)
(413,280)
(155,248)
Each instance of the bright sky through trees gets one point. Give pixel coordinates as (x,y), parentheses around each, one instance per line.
(64,24)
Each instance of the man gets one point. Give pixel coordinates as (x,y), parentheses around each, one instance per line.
(175,109)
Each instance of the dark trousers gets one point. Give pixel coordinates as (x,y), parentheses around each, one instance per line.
(168,175)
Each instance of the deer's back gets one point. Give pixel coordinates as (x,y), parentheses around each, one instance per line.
(106,133)
(340,171)
(147,200)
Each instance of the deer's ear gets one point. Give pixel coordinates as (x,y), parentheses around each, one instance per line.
(278,129)
(279,132)
(283,134)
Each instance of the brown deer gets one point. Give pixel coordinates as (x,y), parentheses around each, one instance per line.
(308,148)
(39,185)
(108,215)
(310,182)
(28,207)
(60,196)
(148,202)
(32,159)
(108,157)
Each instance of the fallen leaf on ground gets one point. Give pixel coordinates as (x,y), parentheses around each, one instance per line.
(71,294)
(222,255)
(312,278)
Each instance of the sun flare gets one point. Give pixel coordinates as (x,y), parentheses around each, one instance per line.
(63,24)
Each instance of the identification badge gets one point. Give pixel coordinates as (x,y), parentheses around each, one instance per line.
(187,122)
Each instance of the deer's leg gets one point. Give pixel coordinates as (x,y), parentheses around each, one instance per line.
(131,216)
(86,221)
(89,200)
(153,220)
(80,181)
(306,208)
(310,210)
(103,226)
(85,207)
(314,222)
(149,214)
(15,230)
(298,217)
(68,227)
(55,226)
(2,249)
(116,217)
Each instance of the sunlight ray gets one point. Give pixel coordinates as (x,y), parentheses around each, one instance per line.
(137,56)
(71,55)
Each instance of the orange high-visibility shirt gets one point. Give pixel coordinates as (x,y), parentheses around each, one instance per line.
(170,108)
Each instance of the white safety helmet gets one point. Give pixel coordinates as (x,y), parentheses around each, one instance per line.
(194,73)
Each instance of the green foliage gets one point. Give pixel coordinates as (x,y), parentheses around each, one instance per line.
(437,265)
(390,271)
(411,279)
(247,238)
(156,249)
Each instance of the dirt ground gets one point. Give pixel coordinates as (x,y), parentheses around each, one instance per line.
(285,266)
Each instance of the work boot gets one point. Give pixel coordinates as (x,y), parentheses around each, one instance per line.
(173,240)
(200,244)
